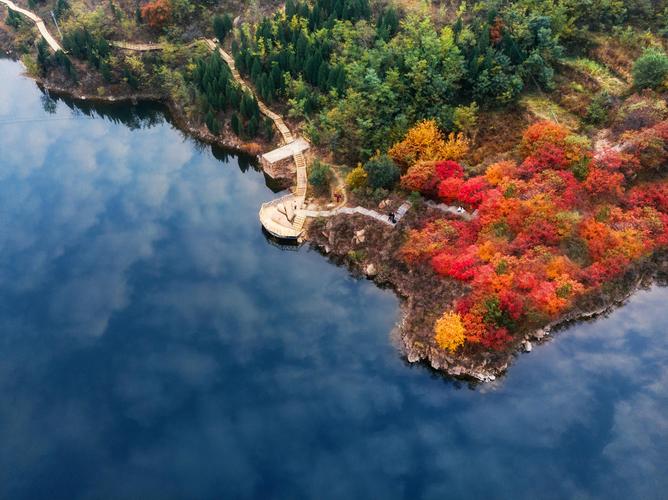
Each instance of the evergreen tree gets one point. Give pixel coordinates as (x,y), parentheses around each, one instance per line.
(323,76)
(268,129)
(236,124)
(105,70)
(222,25)
(252,127)
(62,6)
(290,8)
(277,78)
(212,123)
(256,69)
(14,19)
(43,56)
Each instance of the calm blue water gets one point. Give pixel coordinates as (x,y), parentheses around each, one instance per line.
(154,345)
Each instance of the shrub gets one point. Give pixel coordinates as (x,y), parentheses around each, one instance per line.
(465,118)
(597,111)
(357,178)
(157,13)
(222,26)
(319,176)
(449,332)
(640,111)
(382,172)
(651,69)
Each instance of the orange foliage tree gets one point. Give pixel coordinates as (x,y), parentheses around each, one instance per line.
(157,13)
(425,176)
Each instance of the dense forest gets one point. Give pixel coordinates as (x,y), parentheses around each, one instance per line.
(361,75)
(357,74)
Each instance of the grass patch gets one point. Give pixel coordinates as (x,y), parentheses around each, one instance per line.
(545,109)
(609,83)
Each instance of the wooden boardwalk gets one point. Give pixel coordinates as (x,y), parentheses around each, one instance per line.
(385,219)
(282,217)
(138,47)
(38,22)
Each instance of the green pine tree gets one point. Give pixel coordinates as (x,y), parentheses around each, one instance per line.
(236,124)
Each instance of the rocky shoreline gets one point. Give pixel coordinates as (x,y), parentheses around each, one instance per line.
(176,114)
(354,242)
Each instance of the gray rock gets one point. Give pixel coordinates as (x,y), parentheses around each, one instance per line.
(359,237)
(371,270)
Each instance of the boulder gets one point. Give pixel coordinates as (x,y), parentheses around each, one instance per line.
(359,237)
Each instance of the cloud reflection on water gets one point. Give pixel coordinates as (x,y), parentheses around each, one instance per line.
(155,346)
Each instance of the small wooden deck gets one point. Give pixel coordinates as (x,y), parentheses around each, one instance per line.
(284,217)
(289,150)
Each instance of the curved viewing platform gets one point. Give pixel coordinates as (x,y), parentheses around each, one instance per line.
(283,217)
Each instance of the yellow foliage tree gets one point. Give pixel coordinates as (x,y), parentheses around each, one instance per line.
(449,331)
(356,178)
(455,148)
(424,142)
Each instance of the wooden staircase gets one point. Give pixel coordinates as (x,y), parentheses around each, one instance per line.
(270,213)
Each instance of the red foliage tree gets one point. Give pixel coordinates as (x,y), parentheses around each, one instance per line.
(448,168)
(472,192)
(615,161)
(157,13)
(653,195)
(541,134)
(649,146)
(448,189)
(604,185)
(422,178)
(548,156)
(459,267)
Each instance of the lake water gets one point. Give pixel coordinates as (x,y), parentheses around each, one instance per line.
(153,344)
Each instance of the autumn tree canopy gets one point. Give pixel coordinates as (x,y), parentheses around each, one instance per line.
(157,13)
(424,142)
(554,224)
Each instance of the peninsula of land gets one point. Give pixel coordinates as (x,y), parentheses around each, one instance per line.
(502,169)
